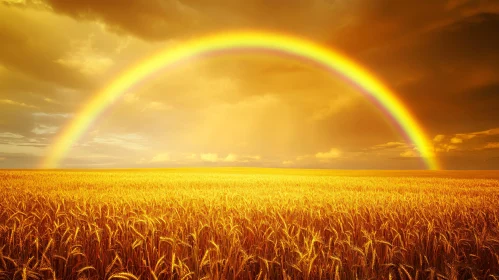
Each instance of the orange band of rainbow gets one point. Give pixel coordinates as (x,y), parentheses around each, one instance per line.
(254,40)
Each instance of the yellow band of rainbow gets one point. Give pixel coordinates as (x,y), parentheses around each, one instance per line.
(243,40)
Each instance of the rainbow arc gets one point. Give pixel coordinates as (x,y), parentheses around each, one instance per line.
(221,43)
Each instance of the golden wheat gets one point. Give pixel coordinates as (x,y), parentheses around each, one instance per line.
(248,224)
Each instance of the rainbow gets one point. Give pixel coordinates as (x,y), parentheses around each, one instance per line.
(223,42)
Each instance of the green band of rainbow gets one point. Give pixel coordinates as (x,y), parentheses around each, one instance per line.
(220,42)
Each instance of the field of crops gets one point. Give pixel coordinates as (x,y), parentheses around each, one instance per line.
(248,224)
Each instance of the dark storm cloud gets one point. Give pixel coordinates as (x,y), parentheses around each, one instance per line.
(379,25)
(356,25)
(32,80)
(147,19)
(29,47)
(442,74)
(164,19)
(479,107)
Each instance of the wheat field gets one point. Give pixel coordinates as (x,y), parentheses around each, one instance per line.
(246,223)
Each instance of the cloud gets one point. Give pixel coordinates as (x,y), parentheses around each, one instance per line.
(44,129)
(15,103)
(13,2)
(447,148)
(35,53)
(389,145)
(51,115)
(16,143)
(152,20)
(460,137)
(94,161)
(15,159)
(231,158)
(491,145)
(458,140)
(181,159)
(128,141)
(410,154)
(468,143)
(191,156)
(445,49)
(439,138)
(334,106)
(489,132)
(131,97)
(50,100)
(161,20)
(84,58)
(163,157)
(331,154)
(10,135)
(157,106)
(209,157)
(17,147)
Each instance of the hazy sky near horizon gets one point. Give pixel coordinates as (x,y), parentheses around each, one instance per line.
(440,57)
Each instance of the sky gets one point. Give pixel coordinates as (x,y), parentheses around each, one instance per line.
(250,109)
